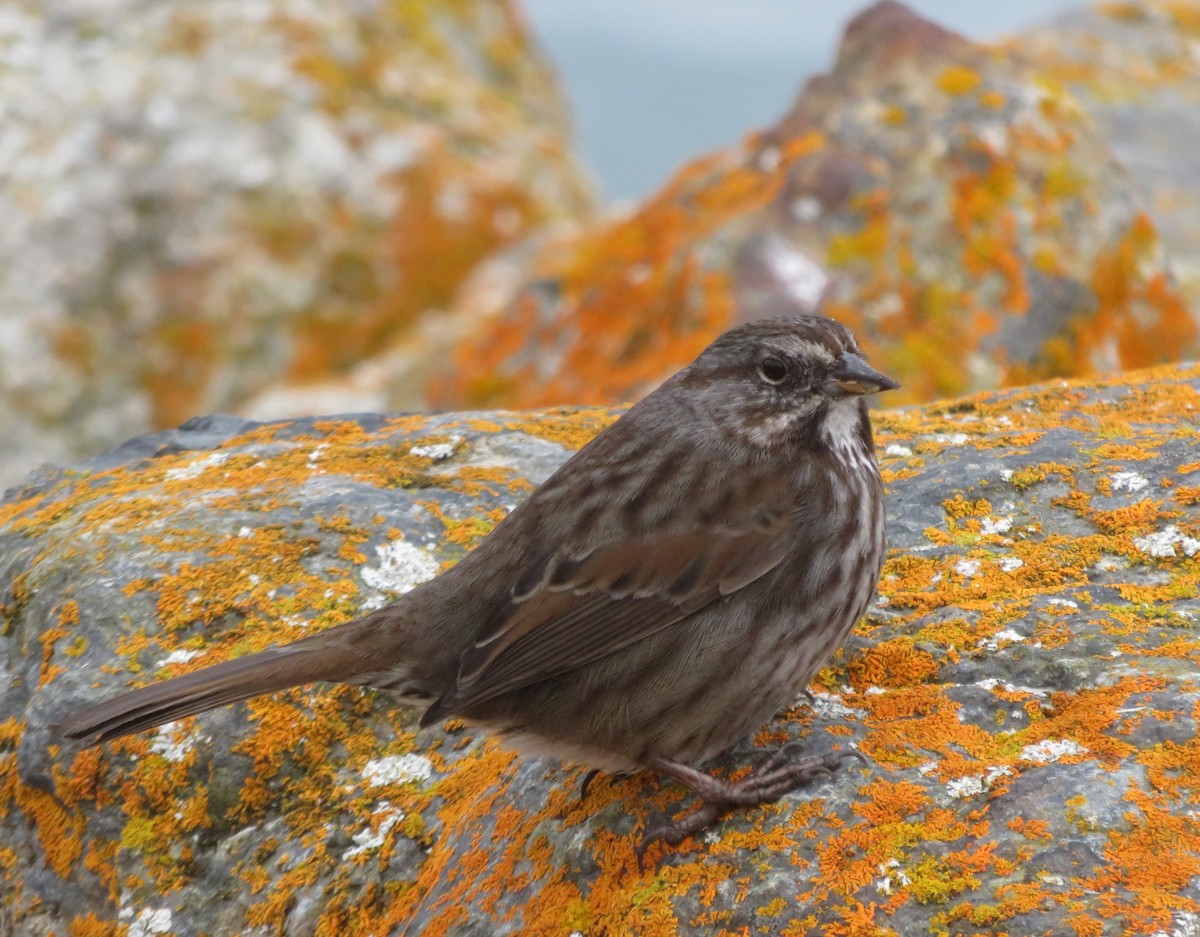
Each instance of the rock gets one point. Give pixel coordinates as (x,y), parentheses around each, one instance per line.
(1025,693)
(202,202)
(1134,67)
(949,200)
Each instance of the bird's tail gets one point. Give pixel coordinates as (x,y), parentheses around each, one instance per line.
(276,668)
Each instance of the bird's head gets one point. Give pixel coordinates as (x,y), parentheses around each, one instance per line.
(793,380)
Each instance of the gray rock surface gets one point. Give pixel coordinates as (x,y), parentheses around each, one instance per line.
(1025,694)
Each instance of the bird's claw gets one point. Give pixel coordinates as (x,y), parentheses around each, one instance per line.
(674,832)
(778,775)
(587,783)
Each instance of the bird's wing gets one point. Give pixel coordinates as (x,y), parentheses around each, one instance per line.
(569,610)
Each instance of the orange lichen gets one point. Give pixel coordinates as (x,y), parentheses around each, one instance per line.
(427,248)
(89,925)
(303,747)
(1186,495)
(958,507)
(567,427)
(637,270)
(68,617)
(958,79)
(58,831)
(1034,829)
(644,293)
(893,663)
(1156,859)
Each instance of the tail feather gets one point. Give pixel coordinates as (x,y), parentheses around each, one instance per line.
(276,668)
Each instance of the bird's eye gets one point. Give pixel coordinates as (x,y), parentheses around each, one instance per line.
(773,370)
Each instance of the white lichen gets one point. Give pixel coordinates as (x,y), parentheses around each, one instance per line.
(893,876)
(437,451)
(180,656)
(830,706)
(972,785)
(401,568)
(1129,481)
(397,769)
(1003,636)
(369,839)
(149,922)
(1161,544)
(196,467)
(1050,750)
(173,745)
(967,568)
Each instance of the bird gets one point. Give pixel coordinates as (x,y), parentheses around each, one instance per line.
(659,598)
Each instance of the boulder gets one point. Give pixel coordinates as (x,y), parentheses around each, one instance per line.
(951,201)
(1025,693)
(203,201)
(1134,67)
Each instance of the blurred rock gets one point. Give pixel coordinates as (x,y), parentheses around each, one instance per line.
(201,201)
(949,201)
(1136,68)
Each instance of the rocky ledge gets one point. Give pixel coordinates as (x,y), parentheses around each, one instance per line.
(1026,694)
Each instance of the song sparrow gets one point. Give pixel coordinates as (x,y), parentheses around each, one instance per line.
(661,596)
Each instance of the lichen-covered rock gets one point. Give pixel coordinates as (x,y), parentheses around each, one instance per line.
(948,200)
(1026,694)
(202,200)
(1135,68)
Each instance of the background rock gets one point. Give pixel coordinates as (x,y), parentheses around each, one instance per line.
(947,200)
(1026,692)
(281,209)
(203,201)
(1135,68)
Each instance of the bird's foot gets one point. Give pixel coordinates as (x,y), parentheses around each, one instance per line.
(780,774)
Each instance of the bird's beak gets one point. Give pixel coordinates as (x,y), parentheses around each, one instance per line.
(852,375)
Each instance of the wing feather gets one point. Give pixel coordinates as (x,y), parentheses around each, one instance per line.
(570,609)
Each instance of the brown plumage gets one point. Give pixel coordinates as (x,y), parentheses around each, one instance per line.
(662,595)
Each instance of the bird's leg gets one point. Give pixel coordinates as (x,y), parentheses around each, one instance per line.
(778,775)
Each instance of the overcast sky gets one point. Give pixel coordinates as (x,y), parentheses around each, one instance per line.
(656,82)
